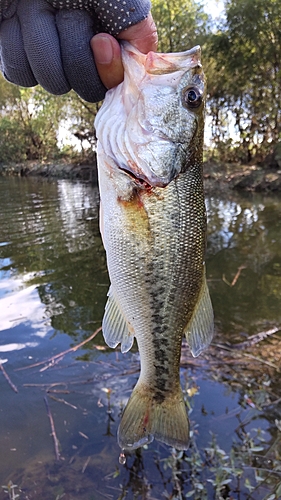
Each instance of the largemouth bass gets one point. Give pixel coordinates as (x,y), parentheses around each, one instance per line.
(153,225)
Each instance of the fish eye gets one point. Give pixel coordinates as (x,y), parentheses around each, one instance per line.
(192,97)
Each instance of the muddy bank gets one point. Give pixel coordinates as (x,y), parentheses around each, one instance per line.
(56,170)
(217,176)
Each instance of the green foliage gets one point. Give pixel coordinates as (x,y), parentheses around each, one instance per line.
(246,76)
(242,61)
(12,144)
(8,93)
(29,120)
(180,24)
(211,472)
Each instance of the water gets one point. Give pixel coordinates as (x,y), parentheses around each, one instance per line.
(53,286)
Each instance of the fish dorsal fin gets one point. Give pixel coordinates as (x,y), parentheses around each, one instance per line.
(200,329)
(115,328)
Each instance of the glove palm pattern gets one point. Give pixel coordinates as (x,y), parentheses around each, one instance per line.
(47,41)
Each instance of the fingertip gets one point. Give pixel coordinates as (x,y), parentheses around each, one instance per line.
(103,49)
(107,55)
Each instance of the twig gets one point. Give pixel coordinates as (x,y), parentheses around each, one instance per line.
(61,354)
(54,435)
(107,495)
(57,391)
(234,281)
(83,435)
(271,403)
(86,464)
(225,280)
(255,358)
(48,386)
(8,378)
(255,339)
(64,402)
(52,363)
(252,340)
(240,268)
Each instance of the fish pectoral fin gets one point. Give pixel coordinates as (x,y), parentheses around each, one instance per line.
(115,327)
(145,418)
(200,329)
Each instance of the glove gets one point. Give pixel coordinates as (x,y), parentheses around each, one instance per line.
(47,42)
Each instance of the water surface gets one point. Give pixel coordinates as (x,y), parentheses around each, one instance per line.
(53,286)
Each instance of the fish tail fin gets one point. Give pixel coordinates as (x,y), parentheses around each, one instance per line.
(146,418)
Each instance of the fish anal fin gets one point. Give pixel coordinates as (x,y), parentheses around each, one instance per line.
(200,329)
(115,327)
(145,418)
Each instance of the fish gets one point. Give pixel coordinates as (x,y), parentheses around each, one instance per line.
(150,132)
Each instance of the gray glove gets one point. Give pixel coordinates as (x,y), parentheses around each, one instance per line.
(47,41)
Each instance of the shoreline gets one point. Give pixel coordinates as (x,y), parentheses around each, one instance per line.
(218,177)
(239,177)
(51,170)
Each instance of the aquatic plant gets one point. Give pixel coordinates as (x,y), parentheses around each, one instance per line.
(10,489)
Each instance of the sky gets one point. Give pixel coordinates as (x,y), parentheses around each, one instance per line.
(213,7)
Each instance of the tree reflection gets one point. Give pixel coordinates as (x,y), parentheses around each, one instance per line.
(244,231)
(54,243)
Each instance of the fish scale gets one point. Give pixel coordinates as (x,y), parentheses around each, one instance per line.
(153,225)
(172,277)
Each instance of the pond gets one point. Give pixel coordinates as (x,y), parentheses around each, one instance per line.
(63,390)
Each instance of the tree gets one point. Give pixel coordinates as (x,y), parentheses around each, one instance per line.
(29,121)
(79,119)
(180,24)
(247,75)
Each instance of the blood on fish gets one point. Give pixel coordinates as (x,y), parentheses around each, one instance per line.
(145,420)
(134,167)
(141,189)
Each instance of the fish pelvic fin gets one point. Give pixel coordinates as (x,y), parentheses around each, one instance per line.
(146,418)
(200,329)
(115,327)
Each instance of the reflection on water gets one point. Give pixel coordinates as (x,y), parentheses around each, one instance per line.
(244,233)
(53,285)
(54,244)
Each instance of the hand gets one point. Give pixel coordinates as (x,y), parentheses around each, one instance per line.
(107,54)
(47,42)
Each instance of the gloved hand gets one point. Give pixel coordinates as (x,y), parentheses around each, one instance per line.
(48,41)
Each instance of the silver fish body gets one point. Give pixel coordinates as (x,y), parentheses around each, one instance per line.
(153,224)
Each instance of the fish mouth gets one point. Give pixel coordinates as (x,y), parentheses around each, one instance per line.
(141,181)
